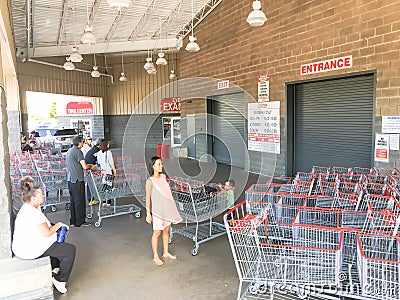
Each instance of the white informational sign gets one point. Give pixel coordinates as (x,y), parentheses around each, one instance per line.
(394,141)
(382,148)
(264,127)
(263,88)
(390,124)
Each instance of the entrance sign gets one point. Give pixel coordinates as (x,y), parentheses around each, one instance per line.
(170,104)
(382,148)
(390,124)
(80,108)
(264,127)
(327,65)
(263,88)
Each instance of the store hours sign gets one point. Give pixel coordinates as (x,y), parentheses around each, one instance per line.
(264,127)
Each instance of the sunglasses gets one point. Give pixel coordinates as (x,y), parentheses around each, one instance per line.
(88,139)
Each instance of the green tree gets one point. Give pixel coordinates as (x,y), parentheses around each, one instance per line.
(53,110)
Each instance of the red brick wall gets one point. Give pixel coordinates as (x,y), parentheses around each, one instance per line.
(299,32)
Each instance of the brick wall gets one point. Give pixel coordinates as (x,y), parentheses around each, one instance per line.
(299,32)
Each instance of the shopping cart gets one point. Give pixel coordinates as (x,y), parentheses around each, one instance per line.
(378,266)
(263,259)
(197,205)
(122,185)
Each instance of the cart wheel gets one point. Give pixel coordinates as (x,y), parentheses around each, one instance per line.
(89,216)
(195,250)
(43,209)
(53,208)
(67,206)
(253,288)
(97,224)
(137,215)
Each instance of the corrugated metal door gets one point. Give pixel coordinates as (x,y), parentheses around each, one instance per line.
(229,144)
(333,123)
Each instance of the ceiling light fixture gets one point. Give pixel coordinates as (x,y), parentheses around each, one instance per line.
(95,73)
(257,16)
(192,46)
(88,36)
(161,61)
(152,71)
(123,77)
(172,76)
(68,65)
(149,64)
(75,56)
(119,3)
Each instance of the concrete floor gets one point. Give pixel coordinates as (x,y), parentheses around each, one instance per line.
(114,261)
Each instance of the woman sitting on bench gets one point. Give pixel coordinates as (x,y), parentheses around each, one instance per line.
(35,237)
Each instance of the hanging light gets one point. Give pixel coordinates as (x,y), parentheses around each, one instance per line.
(152,71)
(161,61)
(149,64)
(257,16)
(88,37)
(172,76)
(68,65)
(75,56)
(119,3)
(95,73)
(123,77)
(192,46)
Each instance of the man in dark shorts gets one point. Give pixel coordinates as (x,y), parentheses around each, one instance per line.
(76,185)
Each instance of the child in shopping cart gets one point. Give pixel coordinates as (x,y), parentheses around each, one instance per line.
(160,209)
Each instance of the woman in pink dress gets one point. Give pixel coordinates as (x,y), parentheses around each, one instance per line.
(160,209)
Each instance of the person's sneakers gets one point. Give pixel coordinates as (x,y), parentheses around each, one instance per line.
(86,224)
(95,201)
(91,203)
(60,286)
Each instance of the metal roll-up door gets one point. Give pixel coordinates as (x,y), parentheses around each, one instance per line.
(229,129)
(333,123)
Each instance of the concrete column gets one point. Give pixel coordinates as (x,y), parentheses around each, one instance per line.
(5,191)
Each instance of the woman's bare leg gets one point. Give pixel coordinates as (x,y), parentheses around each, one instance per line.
(154,246)
(165,239)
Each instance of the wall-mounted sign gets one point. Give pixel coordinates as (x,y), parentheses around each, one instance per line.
(382,148)
(80,108)
(327,65)
(224,84)
(264,127)
(390,124)
(170,104)
(263,88)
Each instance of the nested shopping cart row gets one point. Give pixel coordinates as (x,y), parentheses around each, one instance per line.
(317,248)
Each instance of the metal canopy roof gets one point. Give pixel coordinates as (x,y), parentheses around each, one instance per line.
(44,28)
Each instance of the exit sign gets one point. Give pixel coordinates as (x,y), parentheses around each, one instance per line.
(224,84)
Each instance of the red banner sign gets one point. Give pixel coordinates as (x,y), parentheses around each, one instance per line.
(80,108)
(170,104)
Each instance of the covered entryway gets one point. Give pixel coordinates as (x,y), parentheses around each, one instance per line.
(331,123)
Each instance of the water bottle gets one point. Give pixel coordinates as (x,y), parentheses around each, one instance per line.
(61,233)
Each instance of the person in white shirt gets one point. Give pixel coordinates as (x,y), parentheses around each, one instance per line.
(106,161)
(35,237)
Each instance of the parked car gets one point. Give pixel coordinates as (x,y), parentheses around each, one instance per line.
(63,138)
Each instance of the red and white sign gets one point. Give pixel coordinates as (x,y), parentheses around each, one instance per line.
(263,88)
(224,84)
(79,108)
(170,104)
(344,62)
(382,148)
(264,127)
